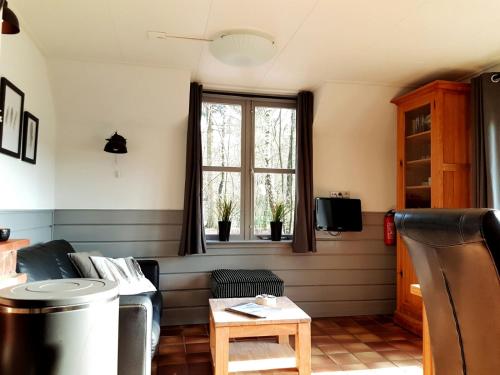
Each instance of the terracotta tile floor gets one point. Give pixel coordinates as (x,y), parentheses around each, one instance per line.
(364,345)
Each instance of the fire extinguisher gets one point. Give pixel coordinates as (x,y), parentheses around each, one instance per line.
(389,228)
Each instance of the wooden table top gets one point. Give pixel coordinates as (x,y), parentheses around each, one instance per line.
(14,244)
(286,312)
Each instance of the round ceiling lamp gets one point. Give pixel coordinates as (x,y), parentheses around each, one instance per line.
(243,48)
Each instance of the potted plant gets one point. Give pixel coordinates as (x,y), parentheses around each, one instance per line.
(278,213)
(225,209)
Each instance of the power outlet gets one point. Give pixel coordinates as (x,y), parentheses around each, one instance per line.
(340,194)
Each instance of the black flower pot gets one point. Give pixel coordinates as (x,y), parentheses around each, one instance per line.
(4,234)
(276,228)
(224,230)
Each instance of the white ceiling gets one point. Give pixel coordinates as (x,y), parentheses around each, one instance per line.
(396,42)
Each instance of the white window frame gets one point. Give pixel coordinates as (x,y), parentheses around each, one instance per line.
(247,166)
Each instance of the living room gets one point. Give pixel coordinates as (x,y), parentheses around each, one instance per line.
(128,162)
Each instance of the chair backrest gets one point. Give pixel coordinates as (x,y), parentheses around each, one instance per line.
(46,261)
(456,257)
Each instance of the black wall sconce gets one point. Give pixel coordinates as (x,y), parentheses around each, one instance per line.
(10,23)
(116,144)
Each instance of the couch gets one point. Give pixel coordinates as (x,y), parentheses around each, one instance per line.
(139,325)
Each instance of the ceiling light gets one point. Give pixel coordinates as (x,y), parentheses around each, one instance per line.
(238,48)
(243,48)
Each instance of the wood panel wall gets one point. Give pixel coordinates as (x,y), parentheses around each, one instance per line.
(35,225)
(352,274)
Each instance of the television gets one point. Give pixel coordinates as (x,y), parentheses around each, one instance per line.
(338,214)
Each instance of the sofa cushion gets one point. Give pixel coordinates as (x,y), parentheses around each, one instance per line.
(81,261)
(46,261)
(126,271)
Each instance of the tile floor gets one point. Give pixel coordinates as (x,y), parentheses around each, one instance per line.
(364,345)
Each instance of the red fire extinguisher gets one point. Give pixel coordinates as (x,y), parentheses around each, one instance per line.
(389,228)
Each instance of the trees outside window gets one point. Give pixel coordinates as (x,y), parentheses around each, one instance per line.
(249,157)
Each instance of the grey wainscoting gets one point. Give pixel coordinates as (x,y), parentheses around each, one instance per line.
(351,274)
(35,225)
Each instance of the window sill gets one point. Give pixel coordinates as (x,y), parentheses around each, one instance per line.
(249,244)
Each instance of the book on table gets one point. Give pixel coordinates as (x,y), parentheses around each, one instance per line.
(253,310)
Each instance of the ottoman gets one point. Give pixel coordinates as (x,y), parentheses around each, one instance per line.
(245,283)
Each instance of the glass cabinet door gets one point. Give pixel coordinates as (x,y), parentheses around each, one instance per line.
(418,157)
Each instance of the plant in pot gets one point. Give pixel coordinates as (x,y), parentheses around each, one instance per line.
(225,209)
(278,213)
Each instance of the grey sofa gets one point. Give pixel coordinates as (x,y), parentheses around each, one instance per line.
(140,315)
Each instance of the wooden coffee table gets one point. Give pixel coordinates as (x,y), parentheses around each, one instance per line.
(229,357)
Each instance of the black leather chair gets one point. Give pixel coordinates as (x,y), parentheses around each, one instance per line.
(456,256)
(140,314)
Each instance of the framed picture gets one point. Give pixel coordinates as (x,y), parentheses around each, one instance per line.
(11,109)
(30,137)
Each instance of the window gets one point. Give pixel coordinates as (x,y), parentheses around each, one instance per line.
(249,155)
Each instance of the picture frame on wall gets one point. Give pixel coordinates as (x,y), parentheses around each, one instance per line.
(11,111)
(30,138)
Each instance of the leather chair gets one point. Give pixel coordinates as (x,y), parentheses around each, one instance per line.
(456,255)
(140,314)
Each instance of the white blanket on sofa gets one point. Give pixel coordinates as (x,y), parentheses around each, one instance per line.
(126,271)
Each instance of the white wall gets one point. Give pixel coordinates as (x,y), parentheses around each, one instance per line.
(354,137)
(148,106)
(355,143)
(24,185)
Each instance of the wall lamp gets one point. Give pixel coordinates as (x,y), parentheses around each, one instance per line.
(10,23)
(116,144)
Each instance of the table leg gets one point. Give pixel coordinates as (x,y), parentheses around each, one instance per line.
(212,337)
(426,345)
(284,339)
(303,348)
(221,351)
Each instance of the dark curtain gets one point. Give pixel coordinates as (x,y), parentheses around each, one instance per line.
(304,237)
(486,145)
(193,233)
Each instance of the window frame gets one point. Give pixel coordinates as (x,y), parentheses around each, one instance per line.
(247,167)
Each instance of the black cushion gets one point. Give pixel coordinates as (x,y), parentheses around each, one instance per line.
(46,261)
(245,283)
(151,270)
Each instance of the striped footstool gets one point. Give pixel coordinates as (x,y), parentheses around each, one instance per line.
(245,283)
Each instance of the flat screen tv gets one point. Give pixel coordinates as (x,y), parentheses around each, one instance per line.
(338,215)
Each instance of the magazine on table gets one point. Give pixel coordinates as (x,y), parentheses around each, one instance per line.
(253,310)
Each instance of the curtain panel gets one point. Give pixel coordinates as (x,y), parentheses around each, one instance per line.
(193,233)
(486,140)
(304,237)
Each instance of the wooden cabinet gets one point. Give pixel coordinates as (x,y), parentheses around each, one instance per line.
(432,171)
(8,257)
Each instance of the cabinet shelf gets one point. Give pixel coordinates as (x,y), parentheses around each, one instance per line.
(424,134)
(419,162)
(418,187)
